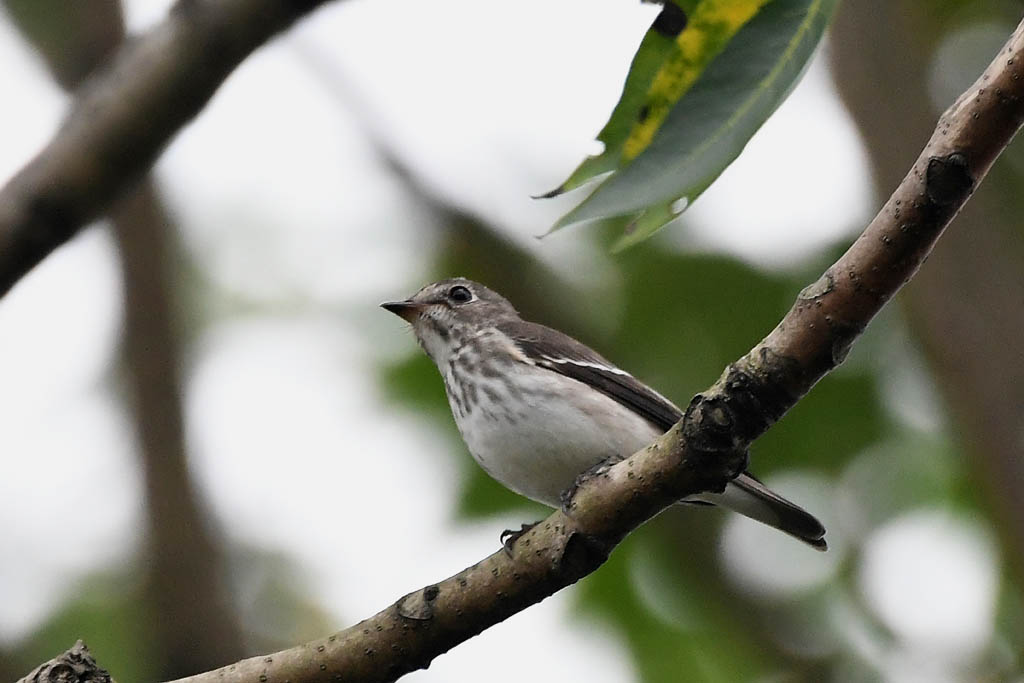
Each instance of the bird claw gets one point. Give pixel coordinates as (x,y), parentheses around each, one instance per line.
(594,470)
(509,537)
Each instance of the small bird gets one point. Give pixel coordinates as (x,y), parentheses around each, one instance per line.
(537,408)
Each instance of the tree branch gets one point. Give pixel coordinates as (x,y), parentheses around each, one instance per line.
(972,289)
(124,116)
(188,599)
(74,665)
(709,444)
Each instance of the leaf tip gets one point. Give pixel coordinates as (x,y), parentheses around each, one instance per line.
(648,222)
(561,189)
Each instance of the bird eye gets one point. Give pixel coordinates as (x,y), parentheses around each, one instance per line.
(460,294)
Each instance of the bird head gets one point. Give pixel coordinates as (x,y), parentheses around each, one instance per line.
(444,314)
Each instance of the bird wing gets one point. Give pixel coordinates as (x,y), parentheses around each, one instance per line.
(561,353)
(558,352)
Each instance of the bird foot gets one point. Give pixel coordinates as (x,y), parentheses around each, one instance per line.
(509,537)
(594,470)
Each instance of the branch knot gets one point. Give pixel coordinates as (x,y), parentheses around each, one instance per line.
(948,180)
(75,665)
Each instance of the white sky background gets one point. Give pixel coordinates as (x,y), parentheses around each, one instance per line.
(278,195)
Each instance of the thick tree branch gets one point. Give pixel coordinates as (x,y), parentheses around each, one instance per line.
(123,117)
(707,446)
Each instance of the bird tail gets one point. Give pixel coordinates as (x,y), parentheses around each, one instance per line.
(750,498)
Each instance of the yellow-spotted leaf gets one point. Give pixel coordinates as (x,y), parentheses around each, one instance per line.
(681,42)
(711,26)
(680,124)
(654,50)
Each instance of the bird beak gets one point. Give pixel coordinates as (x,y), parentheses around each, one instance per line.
(406,310)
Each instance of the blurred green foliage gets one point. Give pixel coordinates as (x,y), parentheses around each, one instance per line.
(111,620)
(110,611)
(690,636)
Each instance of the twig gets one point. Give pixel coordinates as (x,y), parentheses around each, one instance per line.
(123,118)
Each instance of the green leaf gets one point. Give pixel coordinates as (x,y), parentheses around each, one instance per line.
(681,42)
(653,51)
(676,153)
(711,26)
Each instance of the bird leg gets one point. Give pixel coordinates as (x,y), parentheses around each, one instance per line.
(594,470)
(509,537)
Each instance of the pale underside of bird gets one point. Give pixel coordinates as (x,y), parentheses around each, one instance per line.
(537,408)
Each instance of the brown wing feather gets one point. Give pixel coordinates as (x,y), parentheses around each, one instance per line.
(561,353)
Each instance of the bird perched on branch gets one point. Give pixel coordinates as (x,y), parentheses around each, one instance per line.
(537,408)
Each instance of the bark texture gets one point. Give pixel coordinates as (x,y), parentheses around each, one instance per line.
(75,665)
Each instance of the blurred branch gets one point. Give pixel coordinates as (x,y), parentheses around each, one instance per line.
(970,293)
(193,625)
(75,665)
(478,247)
(709,443)
(186,588)
(124,116)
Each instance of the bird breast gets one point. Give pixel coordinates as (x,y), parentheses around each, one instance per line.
(535,430)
